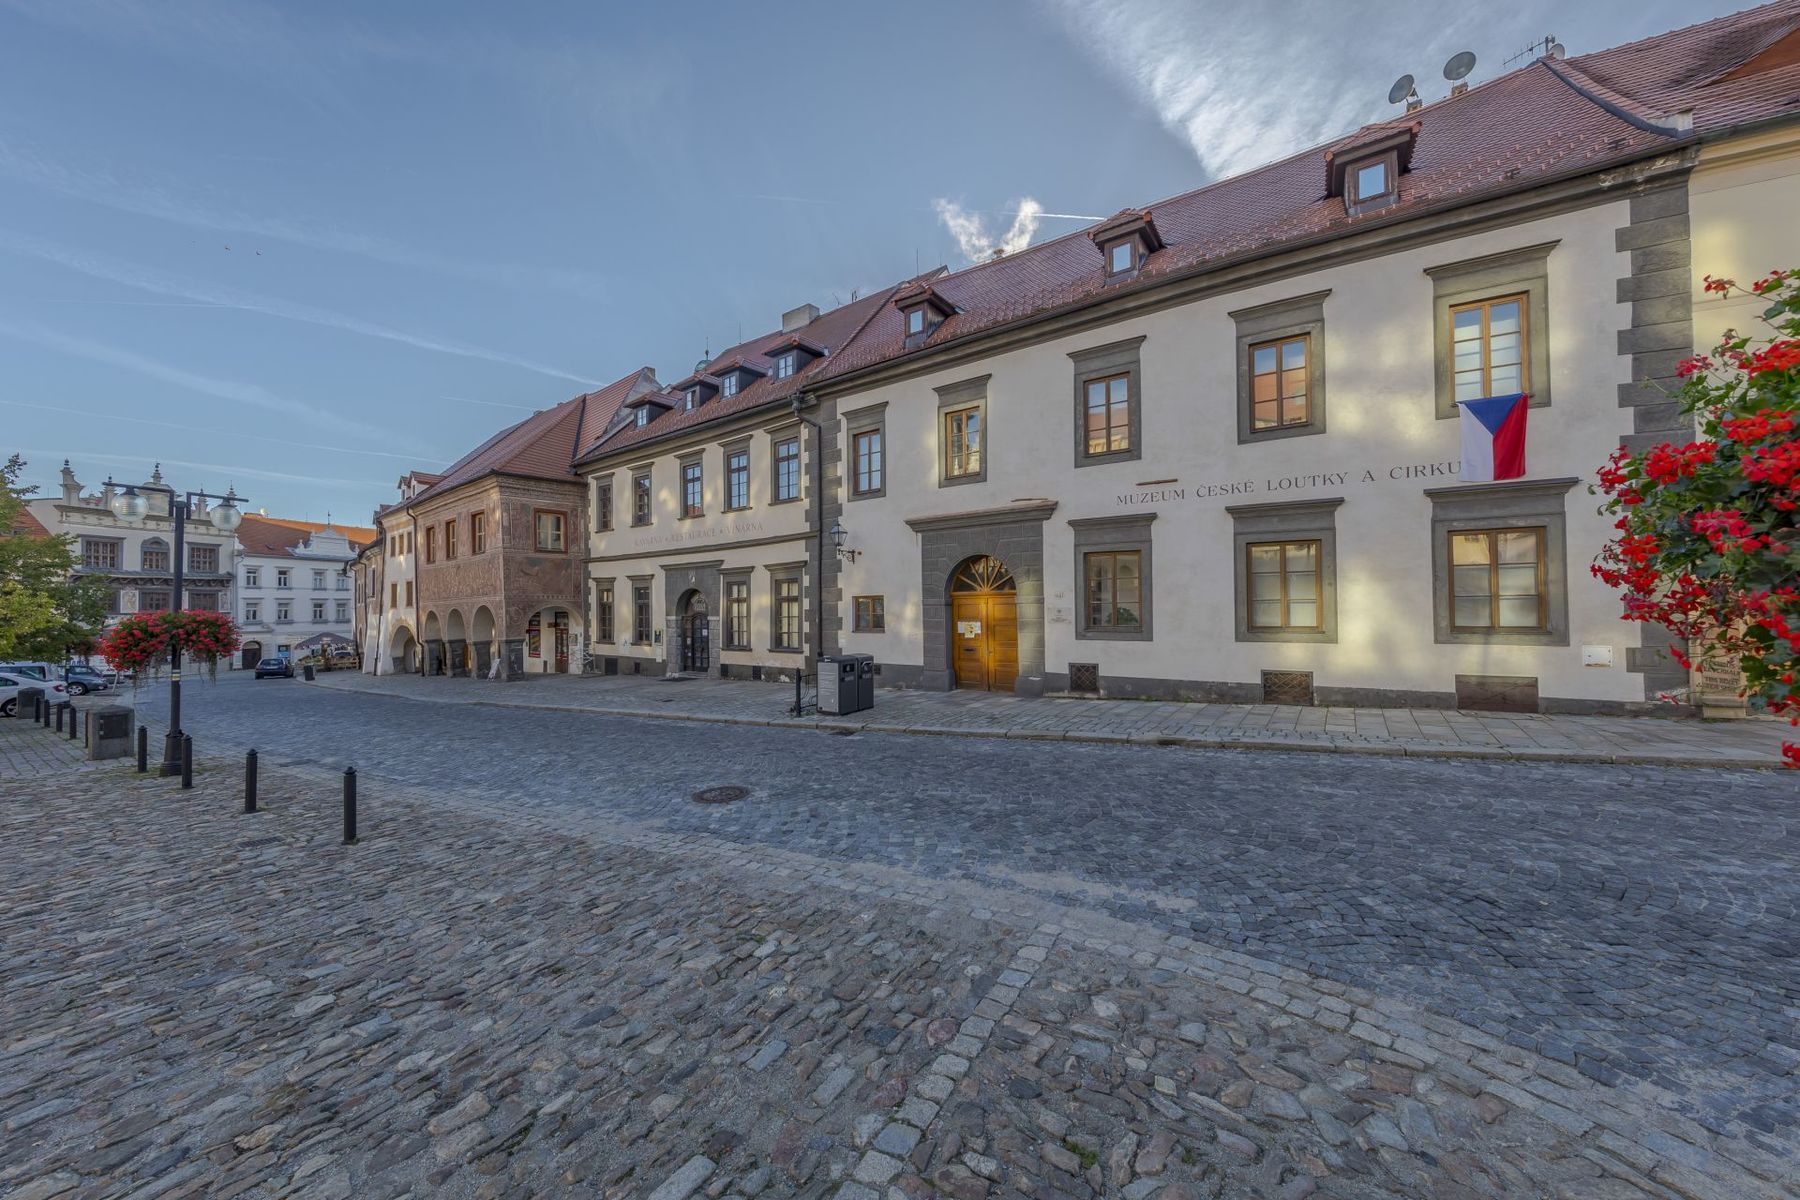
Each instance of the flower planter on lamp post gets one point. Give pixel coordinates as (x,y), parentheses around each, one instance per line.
(129,505)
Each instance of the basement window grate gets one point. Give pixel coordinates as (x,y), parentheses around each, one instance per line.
(1287,687)
(1084,677)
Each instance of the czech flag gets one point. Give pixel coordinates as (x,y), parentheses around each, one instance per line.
(1493,437)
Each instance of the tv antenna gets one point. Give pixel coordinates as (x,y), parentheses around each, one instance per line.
(1403,90)
(1545,47)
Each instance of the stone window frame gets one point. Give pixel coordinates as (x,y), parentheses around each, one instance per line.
(603,503)
(697,461)
(727,451)
(1285,521)
(645,476)
(318,612)
(727,580)
(777,439)
(477,533)
(648,584)
(154,545)
(872,419)
(1097,362)
(1524,271)
(606,612)
(252,611)
(252,577)
(116,546)
(780,573)
(1281,320)
(954,397)
(537,542)
(197,554)
(1513,504)
(1114,535)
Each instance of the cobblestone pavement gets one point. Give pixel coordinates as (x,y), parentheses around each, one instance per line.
(1630,924)
(1420,733)
(482,1000)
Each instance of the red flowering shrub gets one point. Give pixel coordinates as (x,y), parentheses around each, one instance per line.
(1707,545)
(141,642)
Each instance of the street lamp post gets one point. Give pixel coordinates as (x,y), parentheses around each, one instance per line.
(129,505)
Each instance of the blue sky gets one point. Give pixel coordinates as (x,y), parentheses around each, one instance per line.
(305,247)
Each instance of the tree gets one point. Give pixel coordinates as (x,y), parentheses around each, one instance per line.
(45,609)
(1707,544)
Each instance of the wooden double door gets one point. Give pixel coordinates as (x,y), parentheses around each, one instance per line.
(984,626)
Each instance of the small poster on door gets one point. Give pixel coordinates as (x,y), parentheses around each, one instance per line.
(968,629)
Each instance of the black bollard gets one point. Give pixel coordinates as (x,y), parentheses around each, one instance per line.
(187,761)
(143,763)
(74,720)
(250,782)
(59,715)
(349,806)
(44,711)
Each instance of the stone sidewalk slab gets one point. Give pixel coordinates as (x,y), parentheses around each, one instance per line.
(1413,733)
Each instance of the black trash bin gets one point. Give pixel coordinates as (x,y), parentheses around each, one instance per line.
(308,669)
(837,684)
(865,682)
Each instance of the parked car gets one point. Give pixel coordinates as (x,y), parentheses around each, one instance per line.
(275,668)
(82,679)
(10,684)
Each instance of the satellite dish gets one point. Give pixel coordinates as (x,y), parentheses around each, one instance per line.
(1459,66)
(1402,88)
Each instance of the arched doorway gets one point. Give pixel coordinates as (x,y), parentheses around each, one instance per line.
(696,633)
(486,651)
(403,651)
(432,644)
(456,635)
(252,655)
(984,625)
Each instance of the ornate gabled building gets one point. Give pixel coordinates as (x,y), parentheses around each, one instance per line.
(294,593)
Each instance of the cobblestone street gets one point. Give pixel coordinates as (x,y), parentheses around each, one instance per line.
(901,966)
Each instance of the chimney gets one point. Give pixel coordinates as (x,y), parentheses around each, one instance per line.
(799,318)
(71,490)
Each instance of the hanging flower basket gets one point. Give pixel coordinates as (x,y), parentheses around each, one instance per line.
(140,643)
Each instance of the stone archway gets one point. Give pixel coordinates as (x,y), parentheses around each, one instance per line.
(1014,536)
(252,654)
(403,651)
(432,644)
(693,633)
(456,643)
(482,635)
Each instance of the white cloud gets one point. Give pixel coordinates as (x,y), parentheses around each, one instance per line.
(971,232)
(131,275)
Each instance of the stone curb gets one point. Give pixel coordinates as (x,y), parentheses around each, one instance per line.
(1259,745)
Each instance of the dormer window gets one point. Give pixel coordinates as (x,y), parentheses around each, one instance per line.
(915,321)
(1125,242)
(728,386)
(784,365)
(1366,171)
(922,310)
(643,417)
(1371,182)
(691,399)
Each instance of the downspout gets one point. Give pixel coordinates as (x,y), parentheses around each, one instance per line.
(418,594)
(818,507)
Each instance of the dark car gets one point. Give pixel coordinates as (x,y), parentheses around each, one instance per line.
(275,668)
(83,679)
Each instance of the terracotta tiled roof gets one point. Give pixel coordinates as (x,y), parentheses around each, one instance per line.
(1542,122)
(830,331)
(28,525)
(545,444)
(278,536)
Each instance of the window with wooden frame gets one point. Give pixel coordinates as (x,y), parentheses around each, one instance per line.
(604,614)
(549,530)
(1497,580)
(787,469)
(603,507)
(728,386)
(284,577)
(962,442)
(786,632)
(157,602)
(737,479)
(784,366)
(640,614)
(431,536)
(156,558)
(100,553)
(318,611)
(1114,589)
(915,320)
(1283,578)
(640,498)
(393,595)
(409,593)
(1121,256)
(737,614)
(867,478)
(1109,414)
(1371,181)
(203,558)
(477,533)
(1279,383)
(871,614)
(450,540)
(1488,348)
(693,496)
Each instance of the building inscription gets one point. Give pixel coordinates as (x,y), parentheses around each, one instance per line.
(1277,484)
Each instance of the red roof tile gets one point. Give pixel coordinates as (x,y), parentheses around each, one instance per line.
(278,536)
(29,526)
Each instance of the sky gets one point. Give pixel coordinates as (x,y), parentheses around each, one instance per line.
(302,248)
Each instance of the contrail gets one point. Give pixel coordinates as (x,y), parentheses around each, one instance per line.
(341,448)
(130,275)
